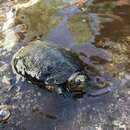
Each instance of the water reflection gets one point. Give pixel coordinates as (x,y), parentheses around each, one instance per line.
(114,33)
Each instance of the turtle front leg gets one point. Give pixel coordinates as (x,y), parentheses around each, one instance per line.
(59,89)
(54,88)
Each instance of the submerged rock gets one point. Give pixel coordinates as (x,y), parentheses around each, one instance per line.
(56,69)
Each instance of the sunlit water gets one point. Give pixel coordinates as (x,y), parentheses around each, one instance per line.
(99,32)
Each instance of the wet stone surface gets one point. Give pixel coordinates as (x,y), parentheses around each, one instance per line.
(105,51)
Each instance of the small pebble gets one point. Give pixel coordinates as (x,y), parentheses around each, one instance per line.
(35,109)
(39,94)
(6,80)
(4,113)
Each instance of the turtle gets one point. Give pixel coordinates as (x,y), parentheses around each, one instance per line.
(55,68)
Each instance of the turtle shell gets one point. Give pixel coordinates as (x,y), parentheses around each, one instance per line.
(46,62)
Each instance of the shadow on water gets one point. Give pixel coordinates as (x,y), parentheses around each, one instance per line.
(100,33)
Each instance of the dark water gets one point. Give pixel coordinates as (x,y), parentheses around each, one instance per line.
(100,32)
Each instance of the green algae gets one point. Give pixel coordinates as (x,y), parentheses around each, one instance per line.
(79,27)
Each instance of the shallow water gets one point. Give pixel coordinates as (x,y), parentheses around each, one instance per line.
(99,32)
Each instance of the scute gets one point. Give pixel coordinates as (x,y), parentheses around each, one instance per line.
(46,62)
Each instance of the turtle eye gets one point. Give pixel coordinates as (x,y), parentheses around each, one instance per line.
(78,82)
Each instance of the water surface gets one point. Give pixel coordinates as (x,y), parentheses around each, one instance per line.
(99,31)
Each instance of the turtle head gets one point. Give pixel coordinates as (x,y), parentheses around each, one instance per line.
(77,84)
